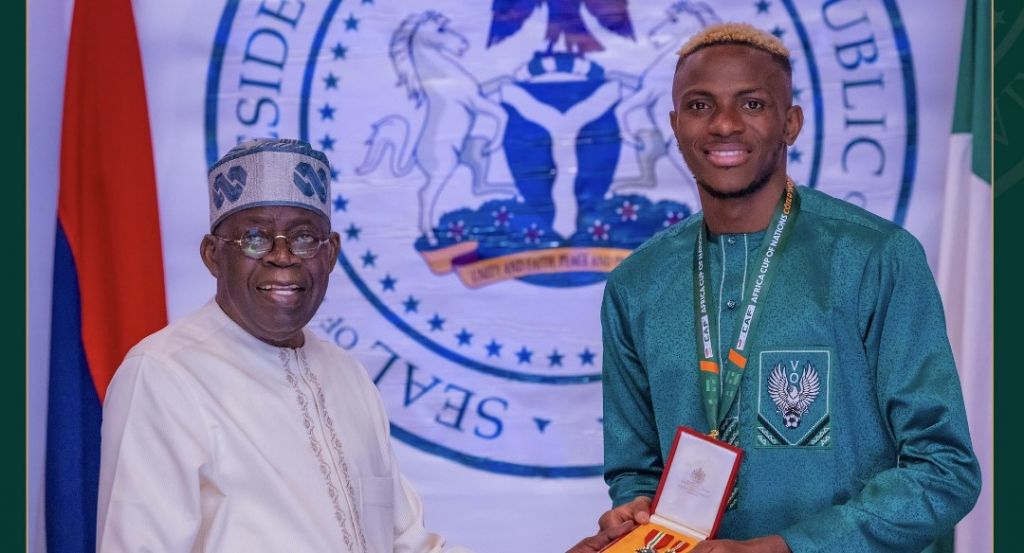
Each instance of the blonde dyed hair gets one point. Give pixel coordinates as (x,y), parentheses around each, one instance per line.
(737,33)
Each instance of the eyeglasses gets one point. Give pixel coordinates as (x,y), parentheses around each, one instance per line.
(256,243)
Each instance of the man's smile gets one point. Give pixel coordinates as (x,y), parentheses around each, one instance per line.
(725,155)
(281,292)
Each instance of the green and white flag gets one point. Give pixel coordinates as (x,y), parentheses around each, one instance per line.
(965,256)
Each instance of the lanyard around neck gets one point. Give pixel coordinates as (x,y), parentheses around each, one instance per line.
(718,402)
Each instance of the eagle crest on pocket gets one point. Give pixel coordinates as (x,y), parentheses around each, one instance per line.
(793,399)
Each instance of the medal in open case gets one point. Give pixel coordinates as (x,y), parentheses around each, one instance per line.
(691,497)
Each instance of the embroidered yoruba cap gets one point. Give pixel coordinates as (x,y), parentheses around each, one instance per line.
(267,172)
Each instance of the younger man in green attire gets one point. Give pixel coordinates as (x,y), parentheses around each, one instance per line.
(819,346)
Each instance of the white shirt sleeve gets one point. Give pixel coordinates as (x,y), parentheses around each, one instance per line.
(154,451)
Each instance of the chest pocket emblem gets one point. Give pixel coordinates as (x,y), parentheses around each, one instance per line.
(793,397)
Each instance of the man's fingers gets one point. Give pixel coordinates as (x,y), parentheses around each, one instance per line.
(593,544)
(609,519)
(599,542)
(614,517)
(704,547)
(618,531)
(637,510)
(641,510)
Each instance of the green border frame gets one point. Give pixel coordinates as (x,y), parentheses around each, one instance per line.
(1008,165)
(13,43)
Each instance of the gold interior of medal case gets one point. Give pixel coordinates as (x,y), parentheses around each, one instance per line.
(634,541)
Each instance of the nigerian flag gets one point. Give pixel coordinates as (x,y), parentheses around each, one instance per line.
(965,256)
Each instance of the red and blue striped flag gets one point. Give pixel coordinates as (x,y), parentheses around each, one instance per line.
(108,289)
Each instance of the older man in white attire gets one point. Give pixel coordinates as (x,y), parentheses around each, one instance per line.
(237,429)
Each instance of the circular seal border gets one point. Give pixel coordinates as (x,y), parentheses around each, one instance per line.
(492,465)
(819,108)
(910,97)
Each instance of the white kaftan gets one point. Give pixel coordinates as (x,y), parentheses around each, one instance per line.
(213,440)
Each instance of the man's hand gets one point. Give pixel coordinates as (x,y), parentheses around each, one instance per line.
(593,544)
(638,511)
(767,544)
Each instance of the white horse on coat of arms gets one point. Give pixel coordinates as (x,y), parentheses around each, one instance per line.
(424,52)
(643,114)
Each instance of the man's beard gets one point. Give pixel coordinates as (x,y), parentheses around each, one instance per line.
(750,189)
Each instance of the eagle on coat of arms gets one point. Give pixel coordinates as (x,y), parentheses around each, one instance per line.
(793,401)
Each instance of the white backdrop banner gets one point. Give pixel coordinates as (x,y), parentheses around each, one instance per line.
(491,165)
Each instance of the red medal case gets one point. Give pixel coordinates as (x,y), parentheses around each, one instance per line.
(691,497)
